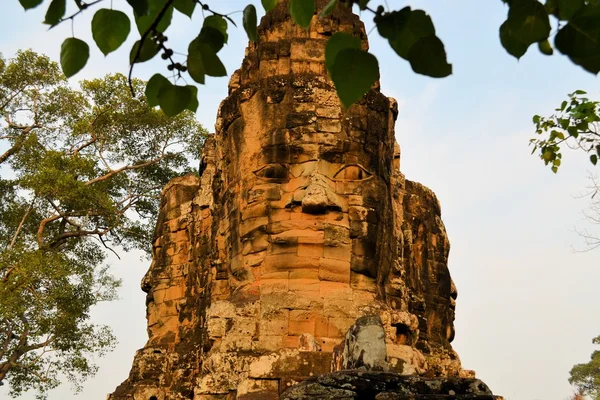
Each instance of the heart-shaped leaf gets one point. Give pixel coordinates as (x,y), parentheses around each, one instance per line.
(55,12)
(354,72)
(580,39)
(302,11)
(27,4)
(339,41)
(217,22)
(185,6)
(174,99)
(155,7)
(148,51)
(110,29)
(74,54)
(153,87)
(527,23)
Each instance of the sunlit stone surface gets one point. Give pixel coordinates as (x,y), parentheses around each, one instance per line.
(300,224)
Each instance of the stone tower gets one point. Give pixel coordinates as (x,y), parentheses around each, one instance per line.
(301,249)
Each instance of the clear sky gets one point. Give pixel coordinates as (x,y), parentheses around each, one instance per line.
(528,305)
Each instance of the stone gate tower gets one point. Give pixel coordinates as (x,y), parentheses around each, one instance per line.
(300,250)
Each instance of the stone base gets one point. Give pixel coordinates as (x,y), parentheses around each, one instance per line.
(357,384)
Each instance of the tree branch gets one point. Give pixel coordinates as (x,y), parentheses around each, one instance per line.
(150,29)
(14,239)
(125,168)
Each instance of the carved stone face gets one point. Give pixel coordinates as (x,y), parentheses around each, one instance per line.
(319,229)
(310,205)
(299,224)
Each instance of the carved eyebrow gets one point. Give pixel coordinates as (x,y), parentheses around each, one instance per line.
(360,173)
(272,171)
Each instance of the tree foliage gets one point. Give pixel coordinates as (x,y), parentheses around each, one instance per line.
(82,172)
(575,124)
(410,33)
(586,377)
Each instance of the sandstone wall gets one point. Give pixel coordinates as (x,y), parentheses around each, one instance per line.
(300,223)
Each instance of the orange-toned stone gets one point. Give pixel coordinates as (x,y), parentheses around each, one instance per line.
(294,191)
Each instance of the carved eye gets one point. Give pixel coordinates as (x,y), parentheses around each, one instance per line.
(352,173)
(272,171)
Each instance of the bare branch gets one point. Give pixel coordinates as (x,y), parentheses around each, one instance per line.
(14,239)
(114,172)
(42,227)
(25,130)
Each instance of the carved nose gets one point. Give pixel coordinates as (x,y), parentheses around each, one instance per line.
(145,284)
(318,198)
(314,200)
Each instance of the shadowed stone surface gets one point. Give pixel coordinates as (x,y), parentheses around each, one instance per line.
(369,385)
(299,226)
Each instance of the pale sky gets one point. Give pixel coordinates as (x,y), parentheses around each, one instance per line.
(528,305)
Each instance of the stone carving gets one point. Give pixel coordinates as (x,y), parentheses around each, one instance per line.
(299,224)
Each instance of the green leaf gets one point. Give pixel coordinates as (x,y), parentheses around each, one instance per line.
(212,37)
(564,122)
(511,44)
(428,57)
(335,44)
(354,72)
(144,22)
(250,21)
(185,6)
(110,29)
(74,54)
(140,7)
(563,105)
(202,56)
(594,159)
(545,47)
(55,12)
(219,23)
(193,103)
(580,39)
(28,4)
(149,50)
(302,11)
(527,23)
(196,67)
(404,28)
(174,99)
(328,9)
(567,8)
(153,87)
(268,5)
(412,36)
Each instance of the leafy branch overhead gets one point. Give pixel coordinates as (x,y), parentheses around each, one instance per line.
(576,124)
(578,36)
(410,33)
